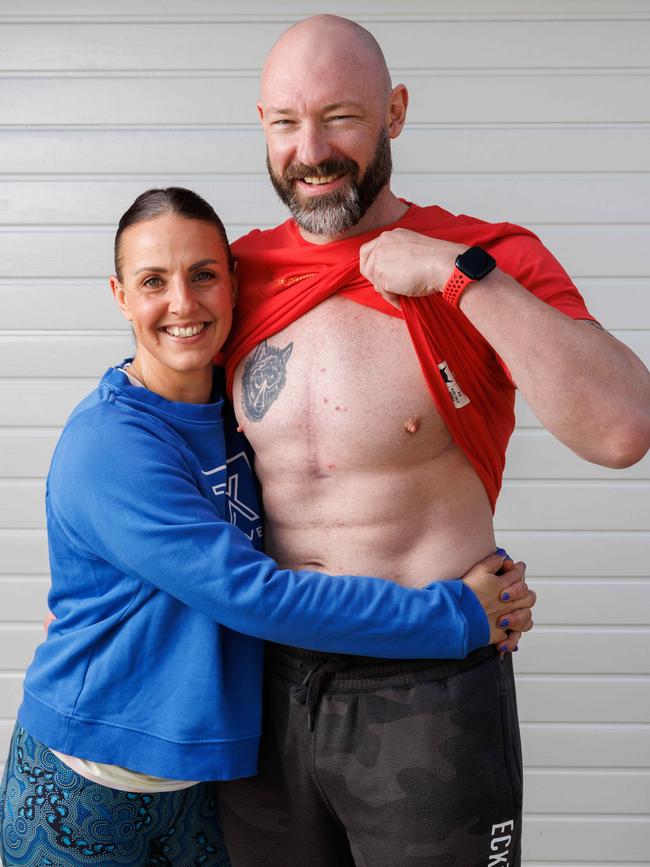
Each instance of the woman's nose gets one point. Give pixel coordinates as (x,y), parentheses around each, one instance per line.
(182,299)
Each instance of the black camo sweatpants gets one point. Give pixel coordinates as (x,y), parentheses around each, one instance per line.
(376,763)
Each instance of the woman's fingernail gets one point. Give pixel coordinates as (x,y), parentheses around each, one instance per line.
(505,622)
(515,649)
(505,596)
(503,648)
(501,552)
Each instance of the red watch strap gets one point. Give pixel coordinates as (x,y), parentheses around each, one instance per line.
(454,287)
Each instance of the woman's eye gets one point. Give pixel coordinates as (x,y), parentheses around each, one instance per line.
(152,282)
(204,275)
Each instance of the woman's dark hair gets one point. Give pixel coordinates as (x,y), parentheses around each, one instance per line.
(173,200)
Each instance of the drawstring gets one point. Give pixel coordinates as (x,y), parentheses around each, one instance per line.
(312,687)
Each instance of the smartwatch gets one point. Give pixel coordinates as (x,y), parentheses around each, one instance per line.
(472,265)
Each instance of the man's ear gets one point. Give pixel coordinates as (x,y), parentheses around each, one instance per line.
(120,297)
(235,282)
(396,112)
(260,111)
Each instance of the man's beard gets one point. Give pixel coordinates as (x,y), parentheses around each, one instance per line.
(338,211)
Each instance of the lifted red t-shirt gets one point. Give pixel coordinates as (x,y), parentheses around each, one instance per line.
(282,277)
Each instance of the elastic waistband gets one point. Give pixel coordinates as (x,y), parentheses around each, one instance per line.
(353,672)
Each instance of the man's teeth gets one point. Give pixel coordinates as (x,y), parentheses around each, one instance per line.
(325,179)
(190,331)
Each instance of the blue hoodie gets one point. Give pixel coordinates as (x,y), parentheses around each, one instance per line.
(155,660)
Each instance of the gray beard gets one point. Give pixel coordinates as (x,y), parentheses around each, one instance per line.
(333,214)
(336,213)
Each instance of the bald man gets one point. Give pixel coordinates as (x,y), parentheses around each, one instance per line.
(373,364)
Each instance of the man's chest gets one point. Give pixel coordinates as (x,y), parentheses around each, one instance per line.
(339,388)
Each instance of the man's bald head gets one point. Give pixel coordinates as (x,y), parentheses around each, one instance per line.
(332,42)
(329,112)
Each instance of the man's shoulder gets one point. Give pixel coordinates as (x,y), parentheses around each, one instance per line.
(435,217)
(263,238)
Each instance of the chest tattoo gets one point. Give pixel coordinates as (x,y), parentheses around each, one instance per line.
(265,375)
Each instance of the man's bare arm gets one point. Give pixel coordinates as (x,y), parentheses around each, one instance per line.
(587,388)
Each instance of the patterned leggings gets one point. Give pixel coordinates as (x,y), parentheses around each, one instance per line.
(52,817)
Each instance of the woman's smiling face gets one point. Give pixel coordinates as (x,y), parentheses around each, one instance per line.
(177,292)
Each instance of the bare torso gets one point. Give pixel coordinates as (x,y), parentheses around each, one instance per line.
(359,472)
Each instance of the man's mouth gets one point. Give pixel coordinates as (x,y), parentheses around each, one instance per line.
(185,330)
(317,180)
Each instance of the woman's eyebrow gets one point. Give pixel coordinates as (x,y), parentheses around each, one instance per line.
(151,268)
(201,264)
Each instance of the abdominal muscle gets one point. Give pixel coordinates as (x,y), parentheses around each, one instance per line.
(358,471)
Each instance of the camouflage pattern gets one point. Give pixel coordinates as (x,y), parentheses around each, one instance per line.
(408,764)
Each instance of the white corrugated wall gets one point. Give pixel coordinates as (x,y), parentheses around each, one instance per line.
(536,111)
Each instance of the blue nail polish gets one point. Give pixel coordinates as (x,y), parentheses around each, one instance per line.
(501,552)
(505,622)
(505,596)
(503,648)
(515,649)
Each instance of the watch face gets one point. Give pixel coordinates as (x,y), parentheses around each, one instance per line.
(475,263)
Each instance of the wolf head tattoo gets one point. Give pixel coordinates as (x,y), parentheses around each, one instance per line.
(265,375)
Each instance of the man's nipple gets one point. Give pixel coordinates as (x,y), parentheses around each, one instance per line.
(412,425)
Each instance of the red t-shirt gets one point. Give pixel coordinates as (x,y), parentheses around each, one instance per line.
(282,277)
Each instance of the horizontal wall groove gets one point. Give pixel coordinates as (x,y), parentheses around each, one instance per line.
(570,770)
(591,818)
(9,282)
(397,72)
(80,378)
(566,479)
(289,18)
(587,483)
(588,532)
(26,579)
(413,126)
(586,628)
(218,177)
(633,726)
(604,580)
(110,226)
(28,431)
(65,332)
(580,678)
(17,625)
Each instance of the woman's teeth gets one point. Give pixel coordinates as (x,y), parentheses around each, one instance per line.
(189,331)
(326,179)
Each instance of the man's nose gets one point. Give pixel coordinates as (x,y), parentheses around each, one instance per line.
(313,147)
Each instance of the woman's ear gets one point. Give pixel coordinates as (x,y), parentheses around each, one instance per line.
(120,297)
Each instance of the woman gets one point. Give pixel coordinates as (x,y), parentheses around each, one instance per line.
(149,683)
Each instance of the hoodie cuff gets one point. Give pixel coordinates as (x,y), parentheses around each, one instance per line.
(478,627)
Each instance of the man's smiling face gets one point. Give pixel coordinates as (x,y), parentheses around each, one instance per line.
(326,111)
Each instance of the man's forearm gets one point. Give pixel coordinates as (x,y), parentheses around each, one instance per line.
(587,388)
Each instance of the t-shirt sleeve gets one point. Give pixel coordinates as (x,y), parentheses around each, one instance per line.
(526,259)
(125,495)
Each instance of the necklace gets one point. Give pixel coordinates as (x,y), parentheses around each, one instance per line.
(137,374)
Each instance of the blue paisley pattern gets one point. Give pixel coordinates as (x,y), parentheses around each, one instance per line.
(52,817)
